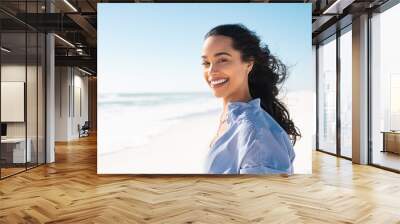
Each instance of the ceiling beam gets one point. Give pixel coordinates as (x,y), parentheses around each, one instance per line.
(83,61)
(337,7)
(83,23)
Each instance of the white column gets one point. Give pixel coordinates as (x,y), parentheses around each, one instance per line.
(360,90)
(50,100)
(50,91)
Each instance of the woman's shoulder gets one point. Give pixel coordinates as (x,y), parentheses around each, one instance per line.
(259,121)
(251,122)
(265,147)
(262,129)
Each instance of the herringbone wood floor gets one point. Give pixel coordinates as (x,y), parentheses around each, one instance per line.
(69,191)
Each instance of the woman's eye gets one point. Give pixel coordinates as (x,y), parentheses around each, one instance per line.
(222,60)
(219,61)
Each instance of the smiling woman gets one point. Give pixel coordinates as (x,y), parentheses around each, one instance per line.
(255,128)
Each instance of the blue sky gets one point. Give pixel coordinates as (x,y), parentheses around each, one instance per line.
(150,47)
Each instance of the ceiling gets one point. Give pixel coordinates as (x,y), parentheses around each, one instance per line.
(76,29)
(75,21)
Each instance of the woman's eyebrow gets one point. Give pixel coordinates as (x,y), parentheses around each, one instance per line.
(222,53)
(218,54)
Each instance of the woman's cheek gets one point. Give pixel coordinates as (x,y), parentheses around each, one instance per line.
(205,75)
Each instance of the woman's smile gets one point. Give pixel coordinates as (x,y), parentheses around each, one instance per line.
(218,82)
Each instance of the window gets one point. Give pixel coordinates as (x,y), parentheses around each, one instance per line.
(327,96)
(385,89)
(346,93)
(22,77)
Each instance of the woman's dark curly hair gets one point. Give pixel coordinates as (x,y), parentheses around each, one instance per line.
(267,72)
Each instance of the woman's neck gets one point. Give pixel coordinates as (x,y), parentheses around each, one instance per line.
(246,97)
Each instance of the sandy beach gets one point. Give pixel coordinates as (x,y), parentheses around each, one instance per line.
(181,149)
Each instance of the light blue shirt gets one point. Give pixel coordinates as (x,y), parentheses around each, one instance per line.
(254,143)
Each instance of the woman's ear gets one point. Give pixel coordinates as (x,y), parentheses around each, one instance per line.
(249,66)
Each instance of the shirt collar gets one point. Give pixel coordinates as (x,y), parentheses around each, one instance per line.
(237,108)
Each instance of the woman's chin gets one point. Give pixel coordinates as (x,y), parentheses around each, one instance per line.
(218,94)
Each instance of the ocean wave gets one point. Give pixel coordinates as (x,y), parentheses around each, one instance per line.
(150,99)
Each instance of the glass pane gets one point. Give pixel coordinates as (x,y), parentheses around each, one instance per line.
(346,94)
(31,84)
(13,86)
(386,89)
(327,96)
(41,98)
(31,101)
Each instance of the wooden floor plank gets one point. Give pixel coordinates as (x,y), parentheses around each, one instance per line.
(70,191)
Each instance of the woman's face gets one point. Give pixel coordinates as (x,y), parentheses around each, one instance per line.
(224,70)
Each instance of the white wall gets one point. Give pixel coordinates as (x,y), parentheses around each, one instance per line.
(33,126)
(15,72)
(61,103)
(70,83)
(81,89)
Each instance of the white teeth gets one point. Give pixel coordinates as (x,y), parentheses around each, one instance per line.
(215,82)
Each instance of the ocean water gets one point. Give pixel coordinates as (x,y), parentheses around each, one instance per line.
(132,120)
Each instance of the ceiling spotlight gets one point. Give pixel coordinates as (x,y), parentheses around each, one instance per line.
(79,51)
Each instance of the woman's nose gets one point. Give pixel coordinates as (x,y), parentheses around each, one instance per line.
(212,69)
